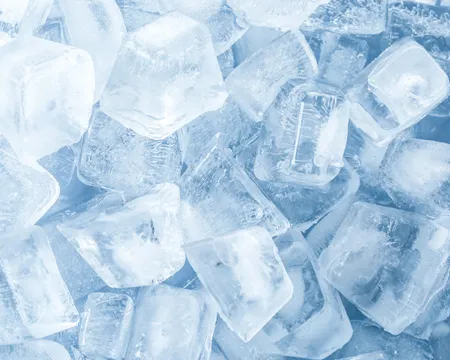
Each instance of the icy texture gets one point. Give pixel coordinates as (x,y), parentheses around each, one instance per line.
(100,34)
(440,341)
(226,63)
(396,90)
(349,17)
(27,193)
(400,259)
(36,350)
(105,325)
(219,197)
(372,356)
(117,158)
(63,77)
(245,276)
(41,297)
(255,83)
(305,136)
(165,76)
(133,244)
(171,324)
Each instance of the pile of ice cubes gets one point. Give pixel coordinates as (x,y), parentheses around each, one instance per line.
(224,179)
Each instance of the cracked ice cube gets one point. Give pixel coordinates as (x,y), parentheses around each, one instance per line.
(165,76)
(245,276)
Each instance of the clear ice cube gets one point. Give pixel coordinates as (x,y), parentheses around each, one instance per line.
(36,350)
(165,76)
(244,274)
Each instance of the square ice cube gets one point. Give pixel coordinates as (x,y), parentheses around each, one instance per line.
(245,276)
(388,262)
(46,92)
(165,76)
(305,135)
(396,90)
(133,244)
(105,325)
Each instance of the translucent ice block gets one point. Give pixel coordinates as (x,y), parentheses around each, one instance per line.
(226,63)
(117,158)
(105,325)
(245,276)
(255,83)
(46,92)
(36,350)
(165,76)
(133,244)
(305,136)
(41,296)
(172,324)
(369,356)
(396,90)
(388,262)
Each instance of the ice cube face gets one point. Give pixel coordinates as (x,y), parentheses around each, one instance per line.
(175,77)
(255,83)
(396,90)
(46,92)
(27,193)
(105,325)
(115,157)
(37,350)
(170,324)
(245,276)
(133,244)
(305,136)
(41,296)
(399,257)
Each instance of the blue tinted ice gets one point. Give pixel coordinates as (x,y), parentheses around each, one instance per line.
(36,350)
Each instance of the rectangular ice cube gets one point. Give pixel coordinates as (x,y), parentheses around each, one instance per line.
(244,274)
(105,325)
(388,262)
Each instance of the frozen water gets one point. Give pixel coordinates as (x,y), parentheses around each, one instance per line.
(396,90)
(105,325)
(440,341)
(305,136)
(401,260)
(133,244)
(117,158)
(36,350)
(349,17)
(100,35)
(138,13)
(64,79)
(171,324)
(255,83)
(41,297)
(284,14)
(226,63)
(245,276)
(372,356)
(165,76)
(219,197)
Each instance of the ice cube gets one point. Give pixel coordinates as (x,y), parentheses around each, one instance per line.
(133,244)
(171,324)
(396,90)
(36,350)
(117,158)
(46,92)
(226,63)
(165,76)
(244,274)
(105,325)
(41,297)
(305,136)
(399,259)
(255,83)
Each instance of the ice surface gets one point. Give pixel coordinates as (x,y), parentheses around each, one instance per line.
(133,244)
(396,90)
(255,83)
(226,63)
(305,136)
(105,325)
(64,79)
(245,276)
(401,260)
(117,158)
(219,197)
(27,193)
(440,341)
(369,356)
(171,324)
(41,297)
(100,35)
(36,350)
(165,76)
